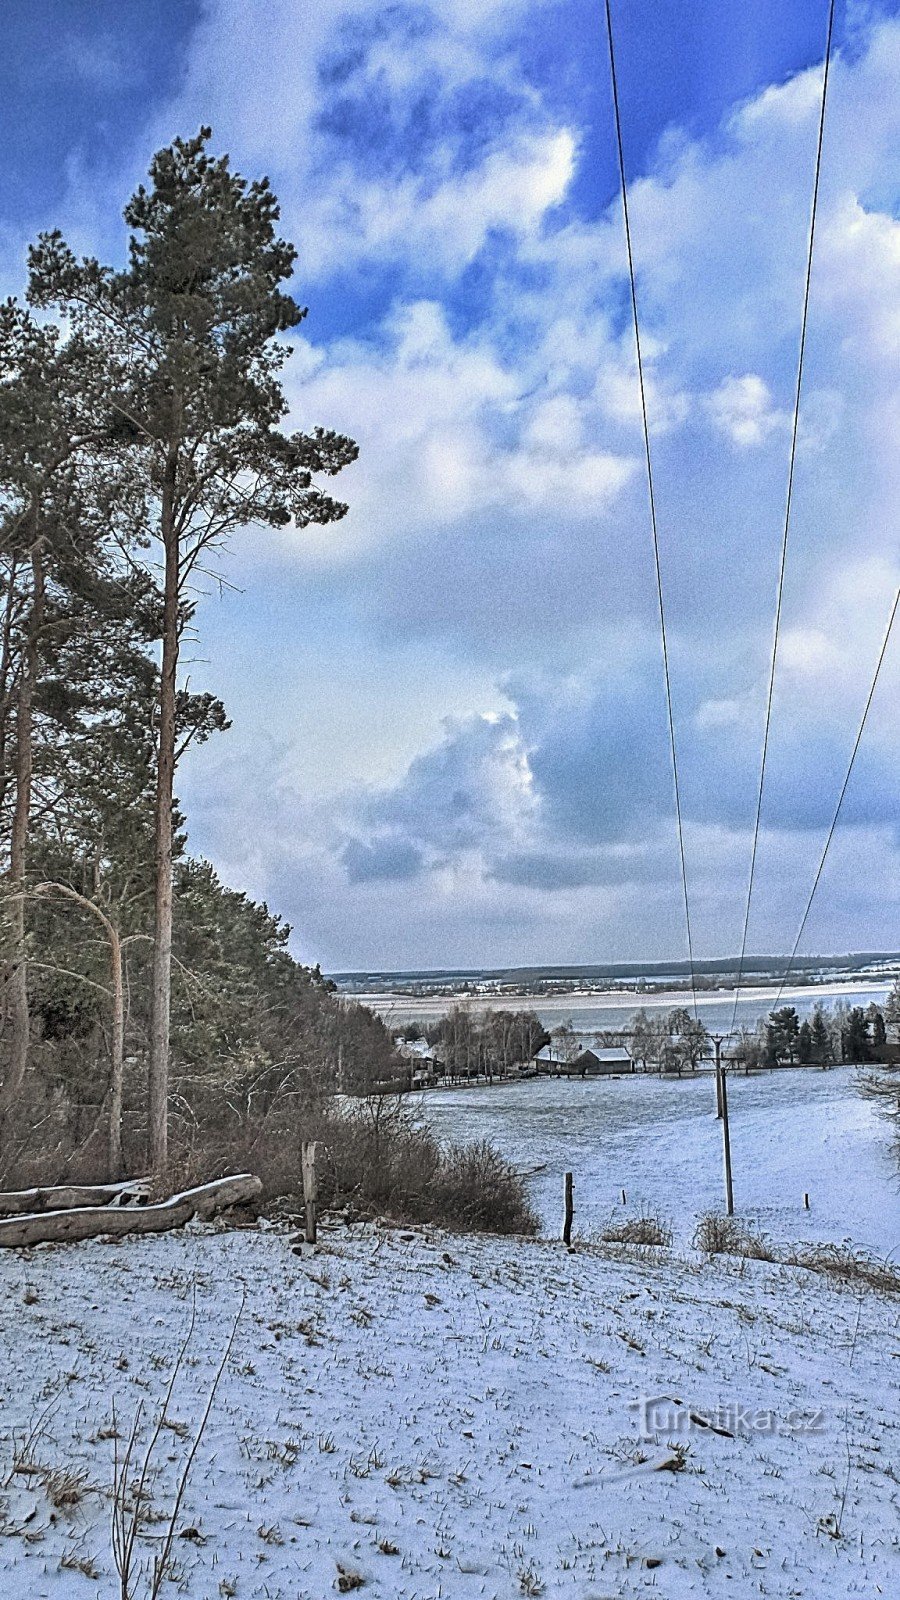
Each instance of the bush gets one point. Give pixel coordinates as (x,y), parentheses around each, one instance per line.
(377,1161)
(476,1191)
(644,1230)
(398,1169)
(718,1235)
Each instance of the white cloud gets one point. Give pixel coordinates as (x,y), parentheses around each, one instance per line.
(498,505)
(742,408)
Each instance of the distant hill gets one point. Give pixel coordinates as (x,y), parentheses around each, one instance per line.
(760,967)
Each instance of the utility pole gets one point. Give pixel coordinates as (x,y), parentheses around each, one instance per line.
(717,1041)
(726,1141)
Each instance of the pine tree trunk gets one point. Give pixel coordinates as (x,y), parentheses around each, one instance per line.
(117,1067)
(24,757)
(6,675)
(161,993)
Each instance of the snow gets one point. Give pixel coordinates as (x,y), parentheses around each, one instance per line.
(792,1132)
(452,1417)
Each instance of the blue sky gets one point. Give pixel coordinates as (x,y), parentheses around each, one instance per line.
(449,737)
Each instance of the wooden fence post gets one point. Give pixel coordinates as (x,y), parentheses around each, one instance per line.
(569,1210)
(308,1153)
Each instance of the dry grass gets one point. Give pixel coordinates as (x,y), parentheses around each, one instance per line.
(646,1229)
(718,1235)
(64,1487)
(847,1266)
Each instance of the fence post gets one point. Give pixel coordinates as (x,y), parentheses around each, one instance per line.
(569,1210)
(308,1152)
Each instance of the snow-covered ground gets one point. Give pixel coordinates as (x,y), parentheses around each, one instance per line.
(425,1416)
(792,1132)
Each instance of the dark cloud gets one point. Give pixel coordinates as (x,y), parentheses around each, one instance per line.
(392,858)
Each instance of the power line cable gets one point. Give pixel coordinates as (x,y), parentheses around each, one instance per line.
(844,787)
(779,598)
(652,499)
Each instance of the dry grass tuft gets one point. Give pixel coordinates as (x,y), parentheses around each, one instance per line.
(847,1266)
(65,1487)
(718,1235)
(646,1229)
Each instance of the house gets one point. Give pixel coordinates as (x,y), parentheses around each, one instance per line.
(602,1061)
(550,1059)
(425,1067)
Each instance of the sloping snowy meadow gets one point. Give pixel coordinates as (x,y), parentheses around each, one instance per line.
(417,1415)
(793,1132)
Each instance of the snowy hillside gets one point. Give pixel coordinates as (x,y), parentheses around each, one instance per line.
(418,1415)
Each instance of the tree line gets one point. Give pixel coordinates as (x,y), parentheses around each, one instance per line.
(831,1034)
(486,1044)
(142,423)
(677,1041)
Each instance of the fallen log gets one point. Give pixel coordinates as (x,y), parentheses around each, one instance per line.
(89,1222)
(71,1197)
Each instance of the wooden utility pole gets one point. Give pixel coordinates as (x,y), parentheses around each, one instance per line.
(569,1211)
(726,1141)
(718,1044)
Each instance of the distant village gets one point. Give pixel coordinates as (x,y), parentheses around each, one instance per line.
(497,1046)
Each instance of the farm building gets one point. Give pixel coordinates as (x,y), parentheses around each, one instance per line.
(601,1061)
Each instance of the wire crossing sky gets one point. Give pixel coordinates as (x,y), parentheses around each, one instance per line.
(789,501)
(449,741)
(654,528)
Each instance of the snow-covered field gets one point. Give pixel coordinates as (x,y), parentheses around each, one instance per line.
(793,1132)
(423,1416)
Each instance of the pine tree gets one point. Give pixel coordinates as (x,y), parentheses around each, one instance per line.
(192,327)
(820,1038)
(877,1025)
(51,421)
(855,1041)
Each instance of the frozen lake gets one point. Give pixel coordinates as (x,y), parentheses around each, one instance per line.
(659,1140)
(590,1013)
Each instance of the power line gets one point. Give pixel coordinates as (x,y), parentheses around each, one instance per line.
(652,498)
(788,505)
(844,787)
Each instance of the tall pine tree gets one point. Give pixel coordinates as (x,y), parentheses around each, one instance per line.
(192,327)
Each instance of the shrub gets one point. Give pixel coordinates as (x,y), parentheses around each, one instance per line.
(399,1169)
(718,1235)
(643,1230)
(476,1191)
(379,1162)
